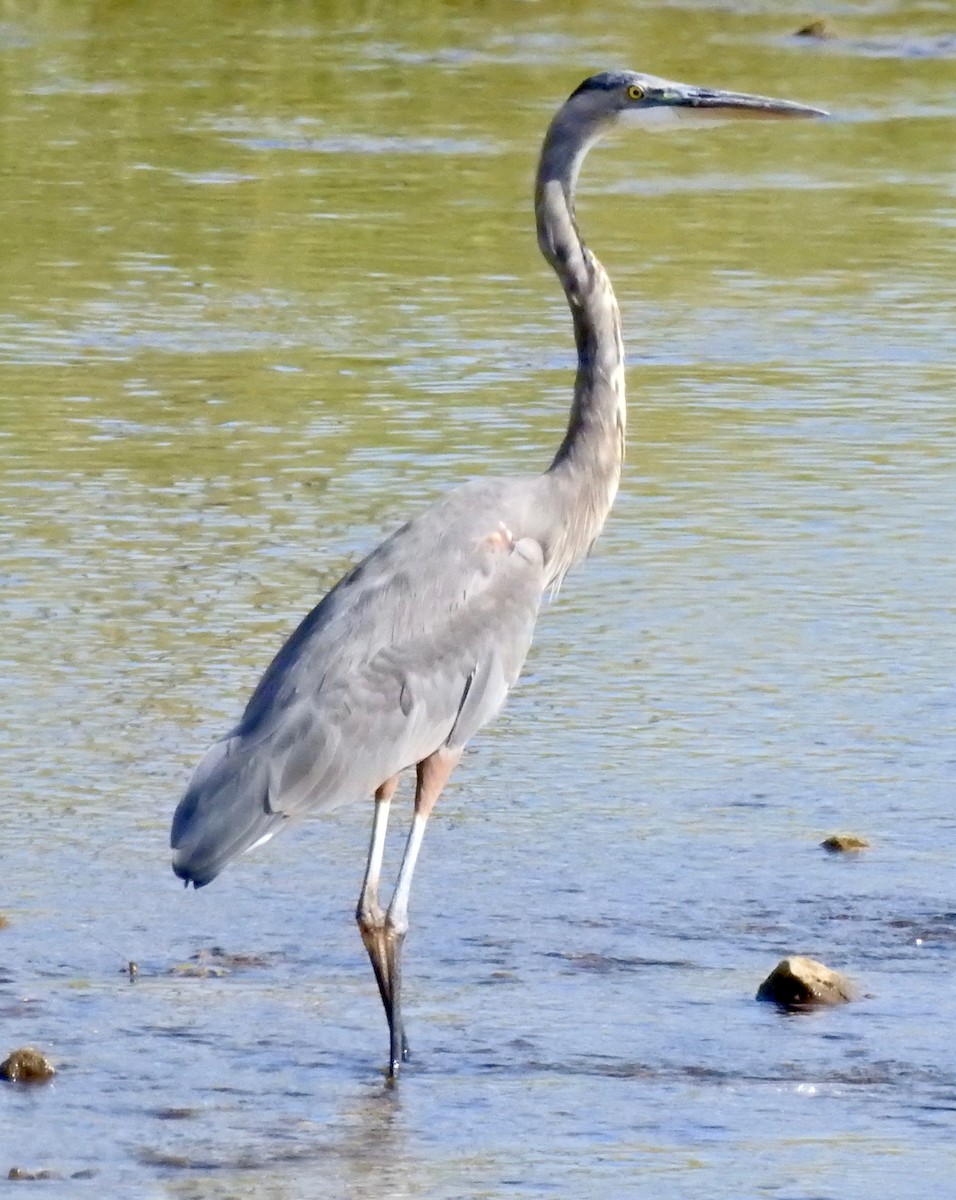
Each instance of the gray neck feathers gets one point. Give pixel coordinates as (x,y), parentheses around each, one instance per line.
(584,476)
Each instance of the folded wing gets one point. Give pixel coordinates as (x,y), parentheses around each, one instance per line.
(392,665)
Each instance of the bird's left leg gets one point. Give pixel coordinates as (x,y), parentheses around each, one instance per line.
(433,774)
(370,915)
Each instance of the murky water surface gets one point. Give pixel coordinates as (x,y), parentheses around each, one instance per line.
(270,284)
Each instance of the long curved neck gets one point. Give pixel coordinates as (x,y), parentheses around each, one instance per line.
(584,476)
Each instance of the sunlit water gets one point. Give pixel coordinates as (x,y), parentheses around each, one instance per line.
(269,285)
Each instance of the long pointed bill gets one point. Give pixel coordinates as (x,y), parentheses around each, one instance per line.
(703,102)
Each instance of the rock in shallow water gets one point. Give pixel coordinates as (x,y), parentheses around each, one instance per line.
(844,843)
(816,29)
(798,982)
(26,1066)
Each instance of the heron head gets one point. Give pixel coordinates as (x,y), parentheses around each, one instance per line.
(613,96)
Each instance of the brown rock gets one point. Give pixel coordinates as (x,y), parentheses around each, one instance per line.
(798,982)
(844,843)
(26,1066)
(816,29)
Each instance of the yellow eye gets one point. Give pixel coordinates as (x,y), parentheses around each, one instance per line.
(635,92)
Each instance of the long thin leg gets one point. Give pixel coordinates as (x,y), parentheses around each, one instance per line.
(370,915)
(433,774)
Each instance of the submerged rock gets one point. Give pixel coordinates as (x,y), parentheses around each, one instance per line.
(844,843)
(195,970)
(216,962)
(816,29)
(798,982)
(230,960)
(26,1066)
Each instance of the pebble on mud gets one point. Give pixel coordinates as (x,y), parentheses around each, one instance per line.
(844,843)
(798,982)
(26,1066)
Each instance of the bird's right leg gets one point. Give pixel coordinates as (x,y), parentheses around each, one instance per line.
(371,916)
(433,774)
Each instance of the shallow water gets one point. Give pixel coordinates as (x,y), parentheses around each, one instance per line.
(270,284)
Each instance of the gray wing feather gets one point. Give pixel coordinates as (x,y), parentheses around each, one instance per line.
(392,665)
(416,695)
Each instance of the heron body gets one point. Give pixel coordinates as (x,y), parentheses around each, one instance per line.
(416,648)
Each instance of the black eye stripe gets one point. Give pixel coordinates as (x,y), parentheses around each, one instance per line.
(606,81)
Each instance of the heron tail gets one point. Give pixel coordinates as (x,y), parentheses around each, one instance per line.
(224,811)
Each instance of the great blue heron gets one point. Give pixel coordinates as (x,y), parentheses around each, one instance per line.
(415,648)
